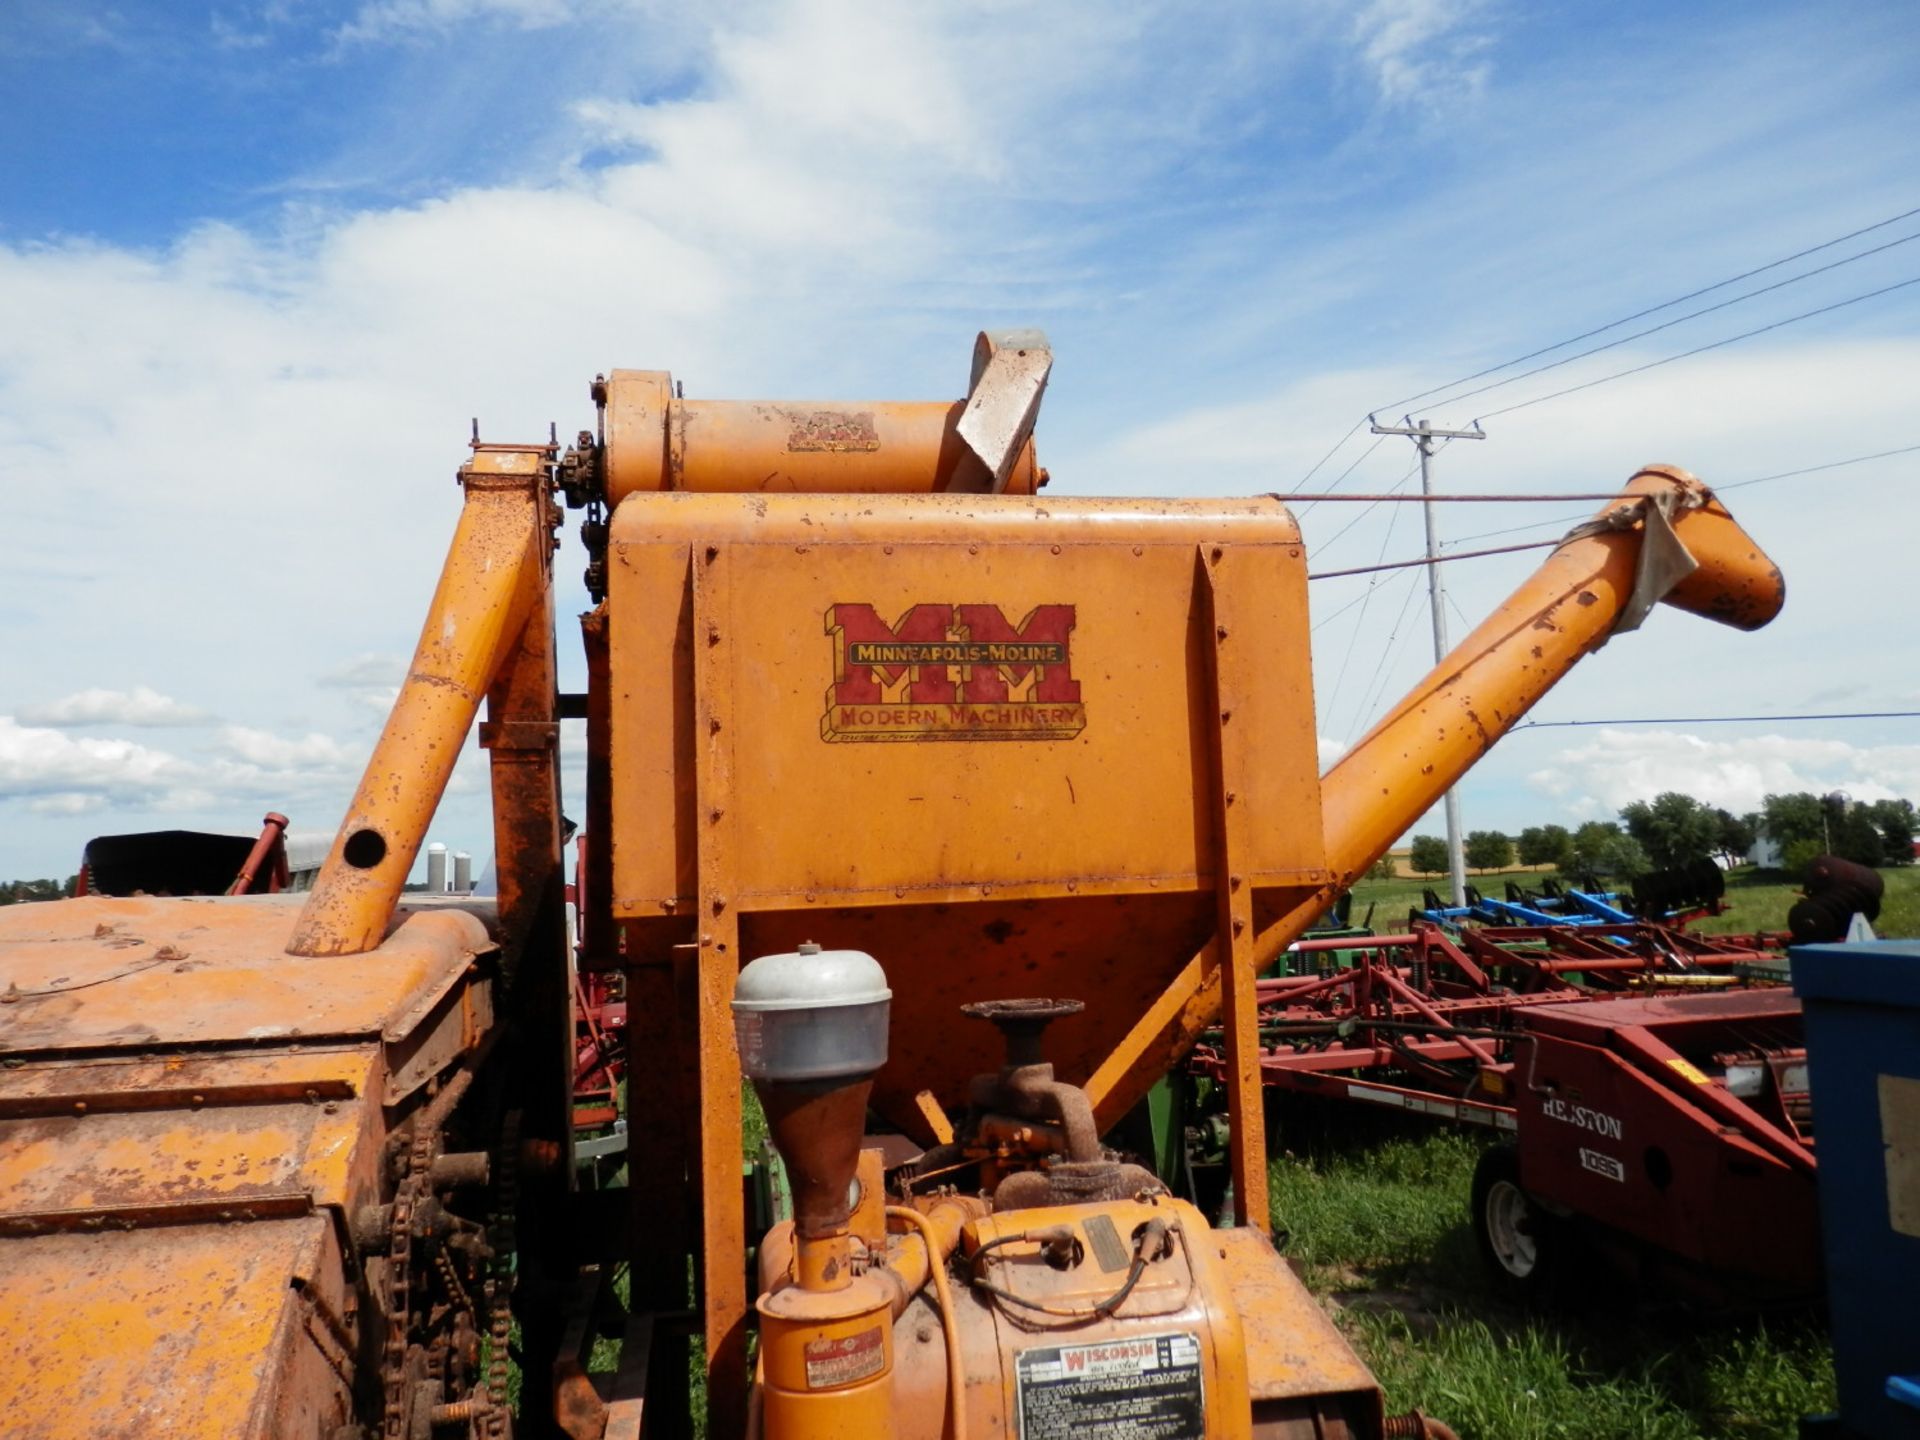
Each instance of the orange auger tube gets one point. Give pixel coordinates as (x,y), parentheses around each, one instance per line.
(496,569)
(655,442)
(1493,677)
(1566,610)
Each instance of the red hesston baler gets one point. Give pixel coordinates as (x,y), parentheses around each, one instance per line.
(1658,1110)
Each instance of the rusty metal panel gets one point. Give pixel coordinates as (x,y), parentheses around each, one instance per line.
(186,1113)
(864,639)
(119,1083)
(1292,1348)
(129,1164)
(98,973)
(191,1330)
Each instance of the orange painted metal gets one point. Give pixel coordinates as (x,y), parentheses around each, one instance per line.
(187,1115)
(716,960)
(1270,1358)
(116,974)
(1184,1292)
(1237,756)
(1274,1342)
(1298,1363)
(826,1361)
(496,576)
(599,936)
(658,443)
(1564,612)
(167,1332)
(1076,861)
(521,735)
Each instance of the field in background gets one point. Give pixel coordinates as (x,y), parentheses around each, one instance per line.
(1377,1215)
(1757,899)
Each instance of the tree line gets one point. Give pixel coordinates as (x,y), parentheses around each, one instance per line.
(1672,830)
(18,892)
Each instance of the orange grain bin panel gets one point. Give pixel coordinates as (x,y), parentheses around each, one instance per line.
(887,755)
(971,736)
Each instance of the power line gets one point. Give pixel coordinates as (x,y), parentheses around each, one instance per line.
(1547,544)
(1521,529)
(1313,500)
(1642,314)
(1669,324)
(1327,620)
(1720,719)
(1730,485)
(1389,654)
(1814,469)
(1480,498)
(1435,559)
(1398,486)
(1329,455)
(1702,349)
(1616,324)
(1353,641)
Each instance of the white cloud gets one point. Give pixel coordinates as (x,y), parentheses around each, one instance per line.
(371,682)
(365,670)
(69,803)
(1620,766)
(138,706)
(1422,51)
(38,762)
(386,19)
(306,753)
(58,774)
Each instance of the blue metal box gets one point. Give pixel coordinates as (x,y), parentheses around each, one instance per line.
(1863,1047)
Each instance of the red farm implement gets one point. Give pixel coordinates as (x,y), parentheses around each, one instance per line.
(1657,1103)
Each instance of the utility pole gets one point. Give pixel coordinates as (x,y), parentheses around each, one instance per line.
(1423,436)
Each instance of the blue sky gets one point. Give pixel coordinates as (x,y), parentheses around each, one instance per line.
(259,264)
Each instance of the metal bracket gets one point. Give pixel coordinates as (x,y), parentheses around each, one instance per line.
(509,735)
(1010,369)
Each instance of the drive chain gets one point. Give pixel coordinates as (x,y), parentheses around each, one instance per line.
(393,1370)
(499,1288)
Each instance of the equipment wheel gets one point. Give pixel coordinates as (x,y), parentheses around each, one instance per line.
(1521,1243)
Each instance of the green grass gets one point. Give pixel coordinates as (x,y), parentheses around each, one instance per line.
(1360,1219)
(1760,899)
(1378,1216)
(1756,899)
(1532,1381)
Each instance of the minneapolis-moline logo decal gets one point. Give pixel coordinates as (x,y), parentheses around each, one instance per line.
(952,672)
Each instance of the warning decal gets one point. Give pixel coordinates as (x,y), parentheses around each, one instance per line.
(845,1359)
(1146,1388)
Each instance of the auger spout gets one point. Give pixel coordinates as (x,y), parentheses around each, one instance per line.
(1602,578)
(1565,610)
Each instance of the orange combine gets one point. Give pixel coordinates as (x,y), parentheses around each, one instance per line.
(868,712)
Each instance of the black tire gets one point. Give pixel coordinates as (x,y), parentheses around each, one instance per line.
(1522,1246)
